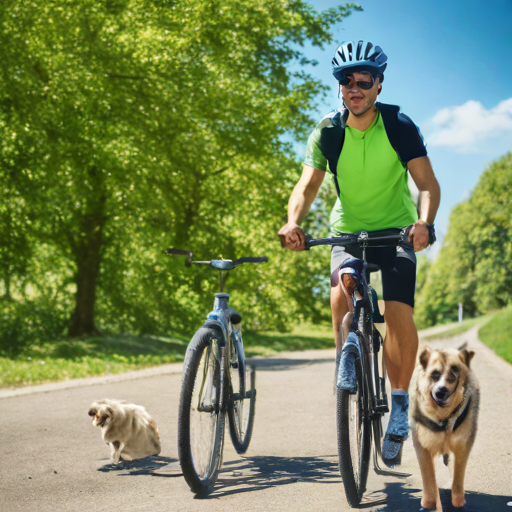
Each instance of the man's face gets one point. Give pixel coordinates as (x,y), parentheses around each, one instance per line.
(358,100)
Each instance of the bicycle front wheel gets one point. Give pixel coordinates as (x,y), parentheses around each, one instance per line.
(354,438)
(241,409)
(201,418)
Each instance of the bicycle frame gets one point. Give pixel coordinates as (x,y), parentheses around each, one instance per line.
(370,342)
(369,338)
(231,343)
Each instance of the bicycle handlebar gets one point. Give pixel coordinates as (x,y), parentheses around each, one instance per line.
(383,238)
(218,264)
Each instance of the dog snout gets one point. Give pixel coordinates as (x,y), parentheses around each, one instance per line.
(442,393)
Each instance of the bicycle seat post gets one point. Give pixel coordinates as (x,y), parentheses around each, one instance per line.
(222,279)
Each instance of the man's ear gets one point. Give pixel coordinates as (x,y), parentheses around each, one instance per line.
(380,89)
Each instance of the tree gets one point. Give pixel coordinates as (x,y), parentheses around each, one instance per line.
(137,122)
(473,266)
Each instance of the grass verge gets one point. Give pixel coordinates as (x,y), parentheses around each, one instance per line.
(497,334)
(64,360)
(460,328)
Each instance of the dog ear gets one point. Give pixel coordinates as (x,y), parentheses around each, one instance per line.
(110,411)
(92,412)
(466,356)
(425,356)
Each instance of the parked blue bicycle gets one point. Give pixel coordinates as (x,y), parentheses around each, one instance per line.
(216,380)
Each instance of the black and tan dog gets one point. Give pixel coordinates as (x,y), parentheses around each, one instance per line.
(444,414)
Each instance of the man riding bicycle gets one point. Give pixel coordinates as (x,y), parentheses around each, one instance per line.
(368,148)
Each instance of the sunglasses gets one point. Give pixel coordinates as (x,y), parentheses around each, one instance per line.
(361,84)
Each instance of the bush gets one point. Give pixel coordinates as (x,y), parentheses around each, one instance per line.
(25,323)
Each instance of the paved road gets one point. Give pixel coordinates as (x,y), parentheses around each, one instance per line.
(53,459)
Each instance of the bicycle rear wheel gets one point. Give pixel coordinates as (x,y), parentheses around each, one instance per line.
(201,420)
(354,438)
(241,410)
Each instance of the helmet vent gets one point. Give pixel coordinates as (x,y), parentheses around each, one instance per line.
(350,50)
(359,48)
(369,46)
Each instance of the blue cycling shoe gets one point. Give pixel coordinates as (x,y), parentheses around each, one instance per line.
(398,430)
(347,378)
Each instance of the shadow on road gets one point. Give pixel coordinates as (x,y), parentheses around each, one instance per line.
(258,473)
(143,466)
(400,498)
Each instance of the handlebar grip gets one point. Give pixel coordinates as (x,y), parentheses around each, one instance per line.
(308,238)
(252,259)
(178,252)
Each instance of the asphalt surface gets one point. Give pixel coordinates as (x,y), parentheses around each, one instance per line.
(53,459)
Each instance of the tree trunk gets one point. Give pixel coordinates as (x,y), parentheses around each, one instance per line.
(7,285)
(88,252)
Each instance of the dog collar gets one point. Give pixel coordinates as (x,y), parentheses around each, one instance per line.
(443,425)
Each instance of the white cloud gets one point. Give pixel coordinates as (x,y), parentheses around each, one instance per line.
(468,128)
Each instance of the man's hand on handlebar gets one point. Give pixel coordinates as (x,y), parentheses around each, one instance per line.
(292,237)
(419,236)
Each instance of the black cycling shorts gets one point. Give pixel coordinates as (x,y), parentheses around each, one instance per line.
(398,268)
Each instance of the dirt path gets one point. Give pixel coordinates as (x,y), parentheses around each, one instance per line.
(53,459)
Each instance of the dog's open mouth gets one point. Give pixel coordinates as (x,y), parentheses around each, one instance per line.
(102,422)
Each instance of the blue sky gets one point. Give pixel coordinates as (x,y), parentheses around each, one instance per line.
(450,70)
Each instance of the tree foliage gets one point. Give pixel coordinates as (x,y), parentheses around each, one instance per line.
(473,266)
(132,125)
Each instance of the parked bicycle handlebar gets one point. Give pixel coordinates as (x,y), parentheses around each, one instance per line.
(218,264)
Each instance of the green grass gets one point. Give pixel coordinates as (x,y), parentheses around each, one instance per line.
(497,334)
(303,337)
(464,326)
(63,360)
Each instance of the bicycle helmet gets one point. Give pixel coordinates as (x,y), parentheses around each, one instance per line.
(360,56)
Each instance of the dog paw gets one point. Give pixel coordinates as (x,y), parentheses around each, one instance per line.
(458,501)
(428,505)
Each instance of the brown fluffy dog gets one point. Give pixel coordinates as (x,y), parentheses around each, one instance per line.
(128,429)
(444,413)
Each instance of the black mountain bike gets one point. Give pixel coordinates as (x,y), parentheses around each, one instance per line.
(215,381)
(359,414)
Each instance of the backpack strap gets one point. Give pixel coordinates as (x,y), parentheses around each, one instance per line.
(404,136)
(332,137)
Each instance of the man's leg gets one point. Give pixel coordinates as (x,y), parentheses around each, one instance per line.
(401,344)
(400,350)
(339,308)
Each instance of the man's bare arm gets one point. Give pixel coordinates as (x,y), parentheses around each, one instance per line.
(430,197)
(303,195)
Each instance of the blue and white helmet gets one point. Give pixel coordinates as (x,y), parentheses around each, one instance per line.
(360,56)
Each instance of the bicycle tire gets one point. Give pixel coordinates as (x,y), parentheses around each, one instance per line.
(354,438)
(201,420)
(241,412)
